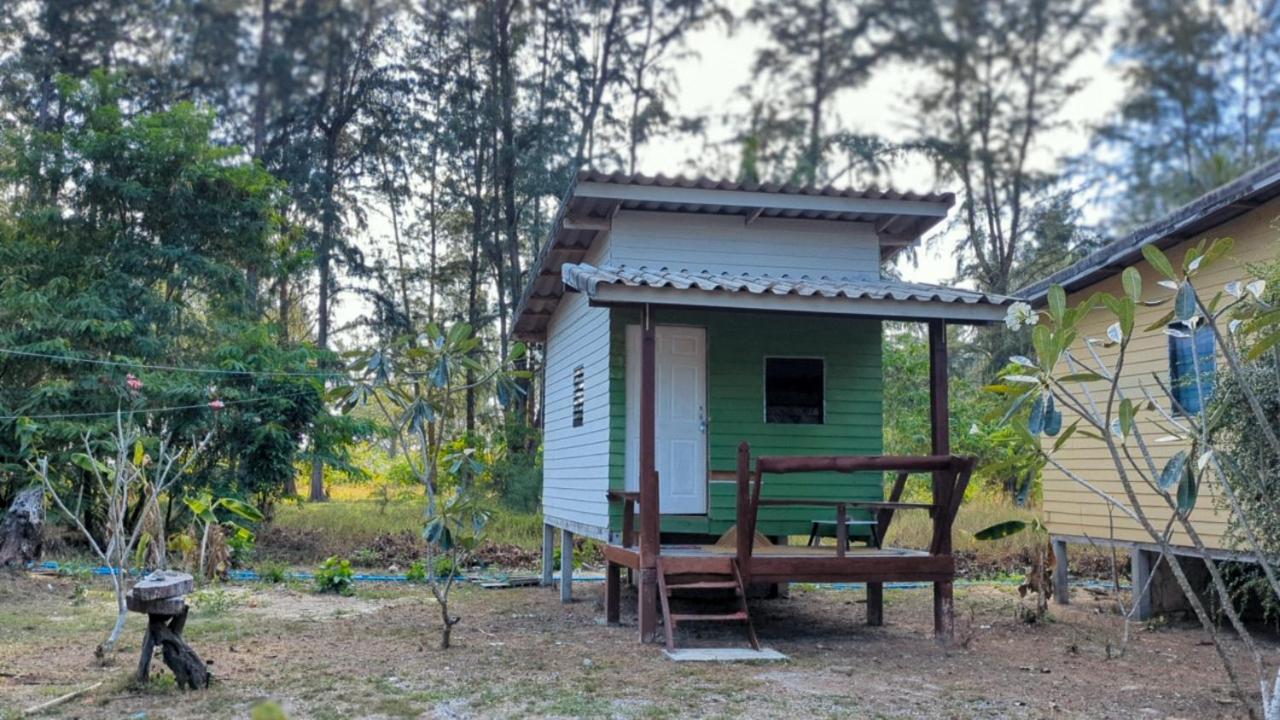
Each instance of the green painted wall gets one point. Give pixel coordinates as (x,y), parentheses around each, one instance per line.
(737,344)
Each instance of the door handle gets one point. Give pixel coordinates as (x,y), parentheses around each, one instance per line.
(702,420)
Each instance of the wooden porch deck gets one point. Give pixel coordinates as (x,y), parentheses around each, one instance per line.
(790,563)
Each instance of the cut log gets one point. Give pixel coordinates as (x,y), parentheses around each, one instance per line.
(21,530)
(162,584)
(164,606)
(189,670)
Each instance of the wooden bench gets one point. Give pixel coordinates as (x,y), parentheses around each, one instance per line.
(816,534)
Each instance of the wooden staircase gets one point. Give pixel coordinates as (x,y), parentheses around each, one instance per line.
(702,573)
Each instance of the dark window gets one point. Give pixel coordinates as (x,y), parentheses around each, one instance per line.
(1187,351)
(793,391)
(579,396)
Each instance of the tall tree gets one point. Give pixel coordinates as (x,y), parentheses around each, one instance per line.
(818,49)
(1201,103)
(1000,74)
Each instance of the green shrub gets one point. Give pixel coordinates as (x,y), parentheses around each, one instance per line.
(443,565)
(213,600)
(417,572)
(274,573)
(335,576)
(365,557)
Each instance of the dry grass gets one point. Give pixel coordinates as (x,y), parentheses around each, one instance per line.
(521,653)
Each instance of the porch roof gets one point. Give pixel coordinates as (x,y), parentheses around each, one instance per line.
(587,211)
(878,297)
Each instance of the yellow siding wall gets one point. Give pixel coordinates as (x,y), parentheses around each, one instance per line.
(1071,509)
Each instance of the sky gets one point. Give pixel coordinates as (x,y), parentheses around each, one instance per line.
(708,81)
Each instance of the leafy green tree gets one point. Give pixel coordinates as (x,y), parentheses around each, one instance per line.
(125,240)
(817,50)
(1200,106)
(418,384)
(999,75)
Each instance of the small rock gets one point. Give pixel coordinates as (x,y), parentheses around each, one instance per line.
(586,663)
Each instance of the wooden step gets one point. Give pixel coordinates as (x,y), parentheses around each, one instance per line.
(739,616)
(677,565)
(704,585)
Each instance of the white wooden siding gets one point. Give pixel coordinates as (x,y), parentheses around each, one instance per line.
(575,461)
(768,246)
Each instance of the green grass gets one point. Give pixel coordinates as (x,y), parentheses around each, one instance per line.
(349,526)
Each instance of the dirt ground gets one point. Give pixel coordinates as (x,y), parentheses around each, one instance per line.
(519,652)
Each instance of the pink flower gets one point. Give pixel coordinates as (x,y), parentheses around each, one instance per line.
(217,405)
(134,383)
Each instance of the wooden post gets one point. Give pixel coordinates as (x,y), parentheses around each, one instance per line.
(613,593)
(548,554)
(875,604)
(650,517)
(566,566)
(940,432)
(1061,589)
(746,528)
(842,530)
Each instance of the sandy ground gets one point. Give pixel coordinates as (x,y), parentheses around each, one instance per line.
(519,652)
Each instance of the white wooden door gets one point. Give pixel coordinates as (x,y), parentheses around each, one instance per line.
(681,355)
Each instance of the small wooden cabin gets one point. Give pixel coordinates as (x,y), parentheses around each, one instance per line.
(1245,210)
(701,335)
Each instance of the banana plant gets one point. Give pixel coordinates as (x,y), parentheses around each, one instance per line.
(204,508)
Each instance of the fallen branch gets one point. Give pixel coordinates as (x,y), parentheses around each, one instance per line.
(36,709)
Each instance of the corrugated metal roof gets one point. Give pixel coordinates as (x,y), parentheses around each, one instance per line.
(1204,213)
(900,218)
(587,278)
(706,183)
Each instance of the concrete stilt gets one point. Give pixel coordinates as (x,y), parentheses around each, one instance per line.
(1061,589)
(566,566)
(548,553)
(1141,569)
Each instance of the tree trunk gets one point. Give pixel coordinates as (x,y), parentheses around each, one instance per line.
(21,531)
(325,262)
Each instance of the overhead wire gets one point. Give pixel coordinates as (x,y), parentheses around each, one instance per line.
(208,405)
(169,368)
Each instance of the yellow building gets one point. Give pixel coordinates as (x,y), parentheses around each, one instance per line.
(1246,210)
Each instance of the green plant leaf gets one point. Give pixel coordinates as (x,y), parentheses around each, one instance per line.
(1184,307)
(1188,491)
(1263,345)
(1217,249)
(1126,417)
(1035,422)
(241,508)
(1062,439)
(1001,530)
(1162,322)
(1172,473)
(1132,281)
(88,464)
(1057,303)
(1158,260)
(1081,377)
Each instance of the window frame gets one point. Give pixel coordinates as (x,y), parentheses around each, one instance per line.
(1176,405)
(764,387)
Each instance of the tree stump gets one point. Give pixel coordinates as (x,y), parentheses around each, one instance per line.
(159,596)
(21,530)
